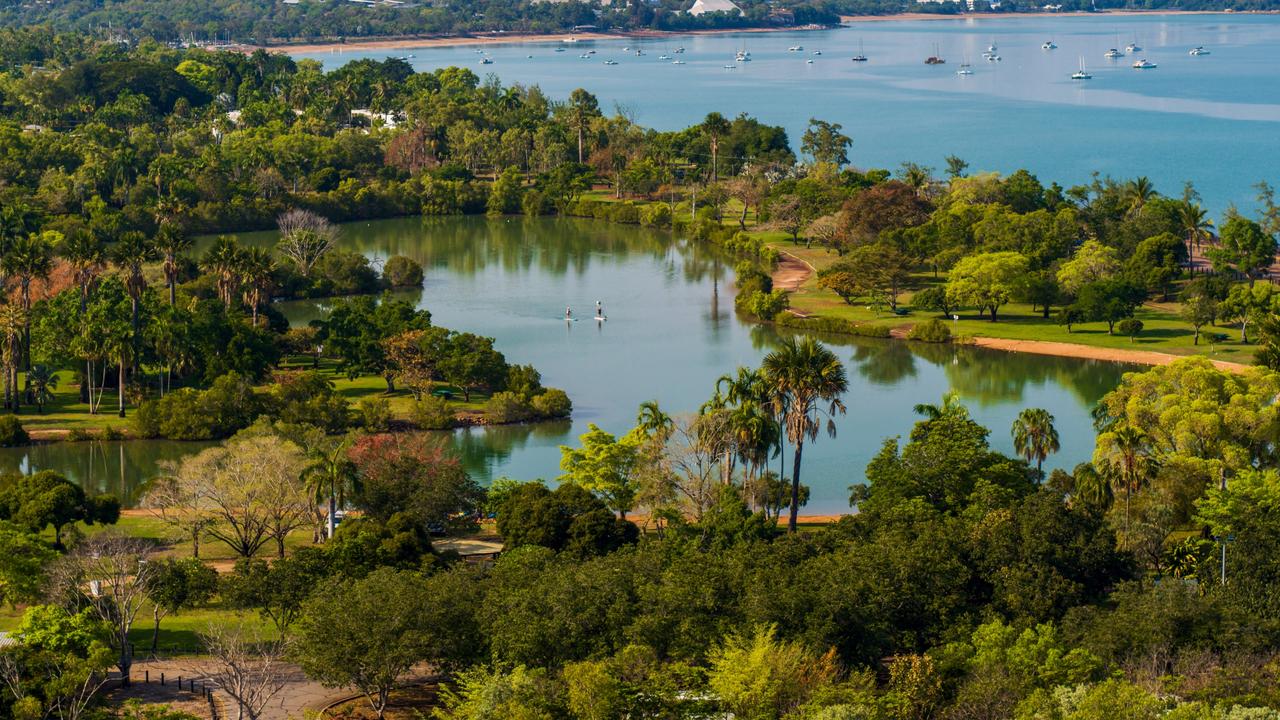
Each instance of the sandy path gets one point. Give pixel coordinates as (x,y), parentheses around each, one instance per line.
(791,273)
(1088,352)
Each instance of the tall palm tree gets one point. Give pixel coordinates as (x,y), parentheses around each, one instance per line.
(1195,223)
(84,252)
(653,421)
(129,254)
(1035,437)
(28,259)
(172,243)
(806,381)
(1127,461)
(223,260)
(331,475)
(256,266)
(13,320)
(950,406)
(1138,192)
(714,126)
(1091,487)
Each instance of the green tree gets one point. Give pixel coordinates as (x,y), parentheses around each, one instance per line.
(23,560)
(178,584)
(762,678)
(605,465)
(28,259)
(172,244)
(1091,263)
(365,634)
(806,381)
(1244,248)
(48,498)
(1035,437)
(824,142)
(987,280)
(714,127)
(878,271)
(1249,306)
(582,109)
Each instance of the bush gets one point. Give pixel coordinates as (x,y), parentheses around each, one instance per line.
(507,407)
(12,433)
(308,398)
(764,305)
(655,215)
(535,203)
(832,325)
(431,413)
(1131,327)
(932,298)
(400,272)
(375,414)
(344,273)
(552,403)
(932,331)
(231,404)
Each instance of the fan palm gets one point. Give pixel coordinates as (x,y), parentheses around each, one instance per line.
(806,381)
(1035,437)
(223,260)
(84,252)
(12,322)
(27,259)
(42,382)
(172,243)
(949,407)
(256,266)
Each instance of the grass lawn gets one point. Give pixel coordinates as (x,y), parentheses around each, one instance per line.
(1163,330)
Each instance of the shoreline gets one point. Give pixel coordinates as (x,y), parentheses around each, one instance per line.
(1090,352)
(499,38)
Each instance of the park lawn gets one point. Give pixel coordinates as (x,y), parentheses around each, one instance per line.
(66,412)
(179,633)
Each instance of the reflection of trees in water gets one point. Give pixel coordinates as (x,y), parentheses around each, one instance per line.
(884,363)
(992,376)
(121,468)
(481,449)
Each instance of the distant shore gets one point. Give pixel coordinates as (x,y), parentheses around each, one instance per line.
(499,38)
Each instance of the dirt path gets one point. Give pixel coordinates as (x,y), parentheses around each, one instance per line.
(1088,352)
(791,273)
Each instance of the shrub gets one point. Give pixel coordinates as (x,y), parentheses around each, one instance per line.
(552,403)
(932,298)
(308,398)
(12,433)
(932,331)
(80,434)
(188,414)
(832,325)
(507,407)
(535,203)
(1131,327)
(111,432)
(400,271)
(764,305)
(655,215)
(375,414)
(431,413)
(344,273)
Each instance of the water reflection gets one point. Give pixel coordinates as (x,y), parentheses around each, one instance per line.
(121,468)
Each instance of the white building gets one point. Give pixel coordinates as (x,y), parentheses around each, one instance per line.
(706,6)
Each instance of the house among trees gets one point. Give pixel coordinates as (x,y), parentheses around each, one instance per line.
(701,7)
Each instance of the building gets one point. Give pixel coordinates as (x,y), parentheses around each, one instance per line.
(701,7)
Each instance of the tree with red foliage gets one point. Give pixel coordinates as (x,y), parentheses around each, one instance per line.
(413,474)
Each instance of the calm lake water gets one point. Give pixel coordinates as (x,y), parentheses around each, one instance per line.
(1213,119)
(671,332)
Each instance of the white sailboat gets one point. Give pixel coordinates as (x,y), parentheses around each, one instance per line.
(1081,74)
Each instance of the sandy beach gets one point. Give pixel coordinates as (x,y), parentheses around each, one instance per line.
(1088,352)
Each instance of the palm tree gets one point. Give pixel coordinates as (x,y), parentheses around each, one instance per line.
(223,260)
(256,266)
(949,407)
(1138,192)
(1091,487)
(1195,223)
(172,243)
(1035,437)
(13,320)
(27,259)
(1127,461)
(805,381)
(714,126)
(84,252)
(43,382)
(653,421)
(919,177)
(331,474)
(130,253)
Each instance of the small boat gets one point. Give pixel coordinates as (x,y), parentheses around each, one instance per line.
(610,62)
(992,58)
(861,56)
(591,52)
(1113,53)
(529,57)
(935,58)
(486,61)
(1144,65)
(964,69)
(809,61)
(569,40)
(679,50)
(677,62)
(1049,45)
(1133,47)
(664,57)
(795,48)
(730,67)
(1081,74)
(584,56)
(817,52)
(559,49)
(639,53)
(1198,50)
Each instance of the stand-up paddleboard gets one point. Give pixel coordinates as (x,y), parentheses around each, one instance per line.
(600,318)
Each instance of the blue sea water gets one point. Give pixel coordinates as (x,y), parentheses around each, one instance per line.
(1214,119)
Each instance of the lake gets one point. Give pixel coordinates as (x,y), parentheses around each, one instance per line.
(671,332)
(1212,119)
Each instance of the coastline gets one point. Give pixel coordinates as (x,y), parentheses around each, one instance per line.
(499,38)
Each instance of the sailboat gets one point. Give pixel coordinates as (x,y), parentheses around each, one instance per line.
(964,69)
(1081,74)
(935,58)
(1133,47)
(1049,45)
(861,56)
